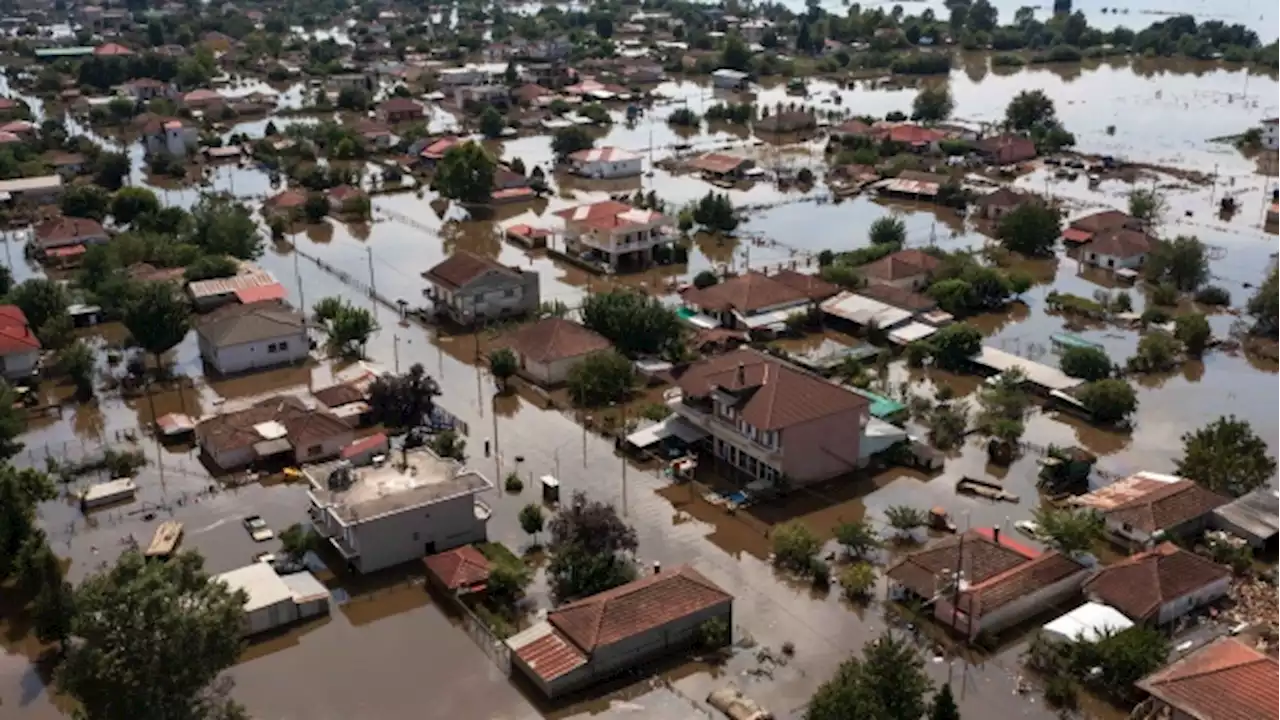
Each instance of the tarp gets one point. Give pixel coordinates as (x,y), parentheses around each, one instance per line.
(1087,623)
(672,426)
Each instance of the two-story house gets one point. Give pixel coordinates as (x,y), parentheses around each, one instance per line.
(606,163)
(754,301)
(169,135)
(621,234)
(906,269)
(1148,508)
(418,504)
(468,289)
(772,420)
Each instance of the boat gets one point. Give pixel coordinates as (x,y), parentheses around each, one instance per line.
(989,489)
(106,493)
(166,539)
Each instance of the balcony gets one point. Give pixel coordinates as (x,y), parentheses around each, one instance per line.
(701,415)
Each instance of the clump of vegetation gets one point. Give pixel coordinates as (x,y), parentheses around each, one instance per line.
(513,484)
(794,547)
(592,549)
(600,379)
(684,118)
(858,581)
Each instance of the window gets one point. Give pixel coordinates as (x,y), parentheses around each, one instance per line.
(271,348)
(509,292)
(283,346)
(315,450)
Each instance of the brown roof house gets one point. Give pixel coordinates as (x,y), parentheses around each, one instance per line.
(278,426)
(400,110)
(595,638)
(1081,230)
(1006,149)
(1159,585)
(470,289)
(995,204)
(1118,249)
(462,570)
(547,349)
(1001,582)
(771,420)
(242,338)
(755,301)
(907,269)
(66,231)
(1148,508)
(1224,680)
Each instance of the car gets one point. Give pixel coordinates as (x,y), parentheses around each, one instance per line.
(265,557)
(258,529)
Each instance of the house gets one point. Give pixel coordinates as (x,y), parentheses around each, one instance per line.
(273,601)
(474,98)
(1118,248)
(112,49)
(994,205)
(606,163)
(277,427)
(217,42)
(1006,149)
(624,235)
(240,338)
(375,133)
(853,128)
(1223,680)
(433,153)
(461,76)
(1159,585)
(468,289)
(1146,508)
(344,198)
(770,419)
(418,504)
(400,110)
(1270,136)
(68,232)
(721,166)
(461,571)
(1081,230)
(753,301)
(364,82)
(917,138)
(19,346)
(1002,583)
(42,190)
(146,89)
(169,135)
(727,79)
(1254,517)
(247,286)
(203,99)
(287,204)
(67,164)
(901,298)
(547,349)
(531,94)
(906,269)
(595,638)
(24,129)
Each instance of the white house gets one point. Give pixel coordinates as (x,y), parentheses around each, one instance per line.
(274,601)
(1117,249)
(282,426)
(19,346)
(548,349)
(728,79)
(606,163)
(461,76)
(1270,137)
(1159,585)
(417,504)
(1147,508)
(239,338)
(621,233)
(170,135)
(469,288)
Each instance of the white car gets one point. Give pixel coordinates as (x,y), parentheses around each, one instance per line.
(258,529)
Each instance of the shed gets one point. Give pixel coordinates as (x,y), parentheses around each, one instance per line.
(1254,517)
(1039,375)
(270,601)
(1087,623)
(865,311)
(310,596)
(362,452)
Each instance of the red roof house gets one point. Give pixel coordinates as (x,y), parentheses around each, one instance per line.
(1224,680)
(462,569)
(112,50)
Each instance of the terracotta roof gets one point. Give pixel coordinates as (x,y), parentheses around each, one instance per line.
(717,163)
(529,92)
(635,608)
(463,267)
(261,293)
(16,335)
(343,193)
(377,441)
(239,324)
(901,265)
(915,135)
(552,339)
(1138,585)
(1024,579)
(230,285)
(980,558)
(340,394)
(459,568)
(852,127)
(746,293)
(287,200)
(772,394)
(898,297)
(603,154)
(438,148)
(400,105)
(234,430)
(202,95)
(1120,242)
(610,214)
(1104,220)
(814,287)
(1224,680)
(1004,196)
(1008,148)
(112,49)
(546,652)
(67,230)
(1166,506)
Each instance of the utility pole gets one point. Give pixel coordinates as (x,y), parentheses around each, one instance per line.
(373,289)
(395,351)
(622,453)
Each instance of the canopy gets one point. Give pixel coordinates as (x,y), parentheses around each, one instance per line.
(672,426)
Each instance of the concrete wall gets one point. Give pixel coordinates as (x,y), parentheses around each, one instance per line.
(255,355)
(823,448)
(270,617)
(1175,609)
(327,448)
(1112,262)
(401,537)
(15,366)
(611,169)
(1030,605)
(555,372)
(493,296)
(231,459)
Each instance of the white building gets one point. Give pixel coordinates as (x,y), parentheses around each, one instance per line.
(1270,137)
(727,79)
(621,233)
(1160,585)
(548,349)
(606,163)
(415,505)
(1118,249)
(170,136)
(274,601)
(240,338)
(461,76)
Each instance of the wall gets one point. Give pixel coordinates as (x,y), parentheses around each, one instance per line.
(823,448)
(254,355)
(19,365)
(272,616)
(401,537)
(232,459)
(487,296)
(1030,605)
(328,447)
(1108,261)
(1175,609)
(555,372)
(611,169)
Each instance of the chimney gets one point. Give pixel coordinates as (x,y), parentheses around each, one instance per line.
(995,533)
(657,567)
(742,374)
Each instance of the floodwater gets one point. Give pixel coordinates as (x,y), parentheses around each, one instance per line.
(401,653)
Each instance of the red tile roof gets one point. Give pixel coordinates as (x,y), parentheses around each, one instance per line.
(112,49)
(772,394)
(748,293)
(1006,149)
(635,608)
(343,193)
(1076,235)
(814,287)
(610,214)
(717,163)
(550,655)
(1120,242)
(66,231)
(202,96)
(1166,506)
(438,148)
(1224,680)
(16,335)
(287,200)
(462,267)
(1104,220)
(1137,586)
(1024,579)
(359,447)
(261,293)
(552,339)
(400,105)
(901,265)
(979,556)
(915,135)
(460,568)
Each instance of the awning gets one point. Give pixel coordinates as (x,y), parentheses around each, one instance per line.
(911,332)
(672,426)
(777,317)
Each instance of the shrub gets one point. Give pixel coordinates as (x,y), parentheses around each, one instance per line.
(858,581)
(513,484)
(793,546)
(1213,295)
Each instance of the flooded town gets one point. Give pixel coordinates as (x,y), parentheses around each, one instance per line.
(650,359)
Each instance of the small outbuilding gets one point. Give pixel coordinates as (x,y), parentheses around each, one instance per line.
(274,601)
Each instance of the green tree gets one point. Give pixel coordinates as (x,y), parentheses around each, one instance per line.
(953,296)
(316,207)
(944,705)
(705,279)
(1124,658)
(221,225)
(21,491)
(297,540)
(1069,531)
(85,201)
(1028,109)
(110,170)
(466,174)
(954,344)
(1193,331)
(350,331)
(887,683)
(1031,229)
(1264,307)
(794,546)
(888,230)
(1157,352)
(53,611)
(1227,457)
(1183,261)
(567,141)
(858,581)
(531,519)
(158,318)
(130,202)
(41,300)
(1087,363)
(76,361)
(135,624)
(403,401)
(684,117)
(353,98)
(591,549)
(635,323)
(507,582)
(503,363)
(1146,205)
(932,104)
(1108,400)
(209,267)
(13,423)
(492,123)
(905,519)
(601,378)
(736,55)
(859,538)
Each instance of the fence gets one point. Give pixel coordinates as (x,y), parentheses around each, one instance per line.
(489,643)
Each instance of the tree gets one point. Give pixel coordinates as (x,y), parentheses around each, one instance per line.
(1031,229)
(53,610)
(601,378)
(13,423)
(403,401)
(1183,262)
(567,141)
(85,201)
(794,546)
(636,324)
(1157,352)
(1146,205)
(297,540)
(491,123)
(507,582)
(531,519)
(932,104)
(684,117)
(887,683)
(948,423)
(705,279)
(1193,331)
(131,202)
(1004,398)
(158,318)
(316,207)
(41,300)
(905,519)
(350,329)
(1087,363)
(110,170)
(221,225)
(888,230)
(736,55)
(604,26)
(139,621)
(503,363)
(1226,457)
(1264,307)
(465,174)
(954,344)
(857,581)
(591,549)
(1108,400)
(209,267)
(353,98)
(859,538)
(944,705)
(76,361)
(714,211)
(1028,109)
(1069,531)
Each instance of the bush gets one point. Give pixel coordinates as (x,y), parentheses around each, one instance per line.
(601,378)
(1060,692)
(1086,363)
(705,279)
(1213,295)
(858,581)
(684,117)
(714,633)
(1164,294)
(513,484)
(819,572)
(794,545)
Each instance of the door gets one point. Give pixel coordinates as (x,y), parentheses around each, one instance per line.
(430,548)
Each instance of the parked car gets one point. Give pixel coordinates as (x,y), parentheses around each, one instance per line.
(258,529)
